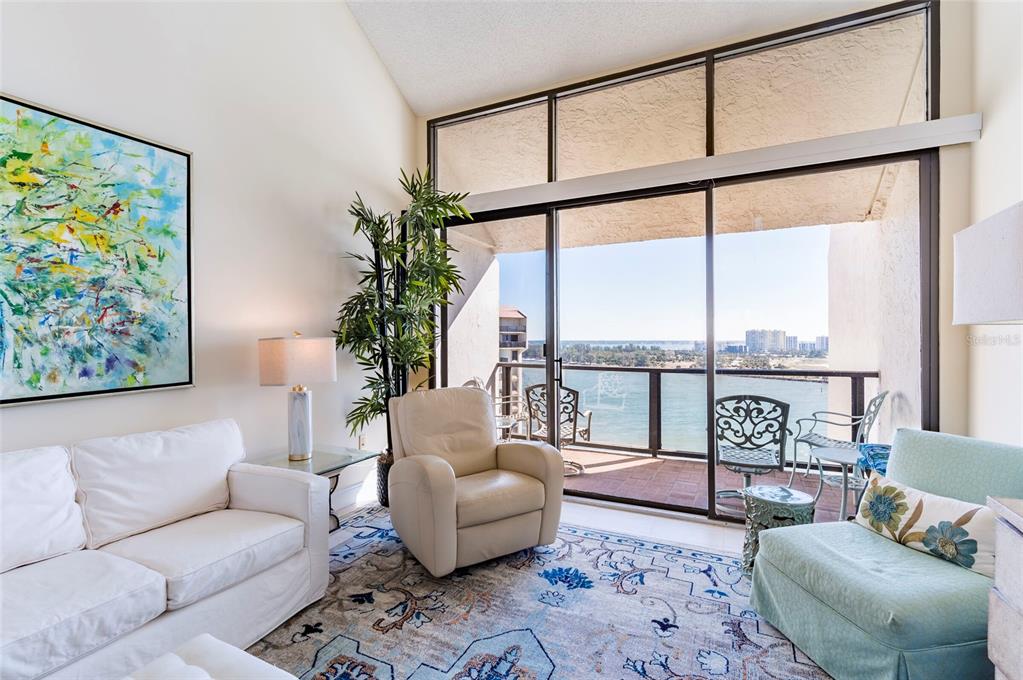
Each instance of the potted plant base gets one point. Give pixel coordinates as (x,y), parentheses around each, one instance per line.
(384,463)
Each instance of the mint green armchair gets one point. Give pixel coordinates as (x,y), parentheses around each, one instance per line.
(865,607)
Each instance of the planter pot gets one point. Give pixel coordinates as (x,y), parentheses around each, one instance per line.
(384,463)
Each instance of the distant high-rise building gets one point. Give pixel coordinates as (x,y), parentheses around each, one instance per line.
(822,343)
(791,343)
(808,347)
(760,341)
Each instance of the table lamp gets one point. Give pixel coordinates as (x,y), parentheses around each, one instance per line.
(296,361)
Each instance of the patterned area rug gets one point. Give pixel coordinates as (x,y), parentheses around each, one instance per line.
(593,604)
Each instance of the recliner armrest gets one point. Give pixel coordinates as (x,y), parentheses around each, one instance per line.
(543,462)
(422,498)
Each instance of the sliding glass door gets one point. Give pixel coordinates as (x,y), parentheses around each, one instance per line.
(625,273)
(632,350)
(817,306)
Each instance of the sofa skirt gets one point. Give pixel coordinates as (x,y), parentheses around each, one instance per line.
(843,649)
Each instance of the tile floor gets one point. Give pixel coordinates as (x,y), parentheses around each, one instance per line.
(681,482)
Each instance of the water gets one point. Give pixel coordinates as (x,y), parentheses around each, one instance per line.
(620,403)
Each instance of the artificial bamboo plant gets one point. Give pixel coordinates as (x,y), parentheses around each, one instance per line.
(390,323)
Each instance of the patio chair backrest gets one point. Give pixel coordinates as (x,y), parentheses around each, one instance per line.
(870,417)
(568,408)
(749,421)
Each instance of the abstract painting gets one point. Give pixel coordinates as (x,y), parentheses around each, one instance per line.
(94,259)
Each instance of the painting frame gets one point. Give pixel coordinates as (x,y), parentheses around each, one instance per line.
(189,302)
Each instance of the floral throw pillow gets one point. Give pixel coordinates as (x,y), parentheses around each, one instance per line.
(950,529)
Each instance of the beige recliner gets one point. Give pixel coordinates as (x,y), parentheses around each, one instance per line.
(459,497)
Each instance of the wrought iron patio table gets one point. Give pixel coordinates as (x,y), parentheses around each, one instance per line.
(846,459)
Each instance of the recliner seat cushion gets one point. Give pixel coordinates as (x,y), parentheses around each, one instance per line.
(60,609)
(203,555)
(495,494)
(902,598)
(130,484)
(455,423)
(37,506)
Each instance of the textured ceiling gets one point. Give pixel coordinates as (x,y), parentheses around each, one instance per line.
(447,56)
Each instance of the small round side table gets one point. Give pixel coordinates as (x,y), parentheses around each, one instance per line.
(768,507)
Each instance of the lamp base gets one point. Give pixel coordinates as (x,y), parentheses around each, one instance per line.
(300,424)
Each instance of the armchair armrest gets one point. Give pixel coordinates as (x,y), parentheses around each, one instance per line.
(817,416)
(422,494)
(540,461)
(292,493)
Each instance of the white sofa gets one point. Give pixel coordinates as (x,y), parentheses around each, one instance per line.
(120,549)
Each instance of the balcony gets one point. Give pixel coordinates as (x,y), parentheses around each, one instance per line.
(513,340)
(649,435)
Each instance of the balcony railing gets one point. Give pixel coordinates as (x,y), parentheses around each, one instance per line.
(501,383)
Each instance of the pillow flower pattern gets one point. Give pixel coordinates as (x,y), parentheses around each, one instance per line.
(883,507)
(953,530)
(951,542)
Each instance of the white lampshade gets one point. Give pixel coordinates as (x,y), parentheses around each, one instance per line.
(989,270)
(298,360)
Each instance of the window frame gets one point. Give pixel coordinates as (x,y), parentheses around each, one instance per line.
(707,59)
(928,182)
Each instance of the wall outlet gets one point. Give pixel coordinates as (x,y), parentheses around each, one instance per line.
(362,441)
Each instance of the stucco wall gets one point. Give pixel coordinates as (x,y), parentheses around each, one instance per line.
(473,317)
(874,305)
(898,287)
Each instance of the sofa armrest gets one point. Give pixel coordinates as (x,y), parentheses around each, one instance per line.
(292,493)
(543,462)
(422,498)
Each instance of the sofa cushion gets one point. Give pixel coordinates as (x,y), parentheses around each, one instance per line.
(455,423)
(63,608)
(202,555)
(902,598)
(130,484)
(205,657)
(495,494)
(37,504)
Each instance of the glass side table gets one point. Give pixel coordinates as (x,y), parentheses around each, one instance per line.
(327,461)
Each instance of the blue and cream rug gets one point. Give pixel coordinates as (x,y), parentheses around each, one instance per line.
(593,604)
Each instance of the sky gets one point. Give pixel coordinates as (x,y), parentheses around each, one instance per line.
(654,290)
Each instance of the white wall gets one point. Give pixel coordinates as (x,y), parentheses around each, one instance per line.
(874,303)
(995,389)
(474,316)
(288,112)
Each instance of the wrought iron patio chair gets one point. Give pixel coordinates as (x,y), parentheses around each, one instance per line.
(570,429)
(750,435)
(814,438)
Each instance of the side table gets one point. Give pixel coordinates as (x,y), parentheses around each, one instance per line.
(847,459)
(768,507)
(327,461)
(1005,600)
